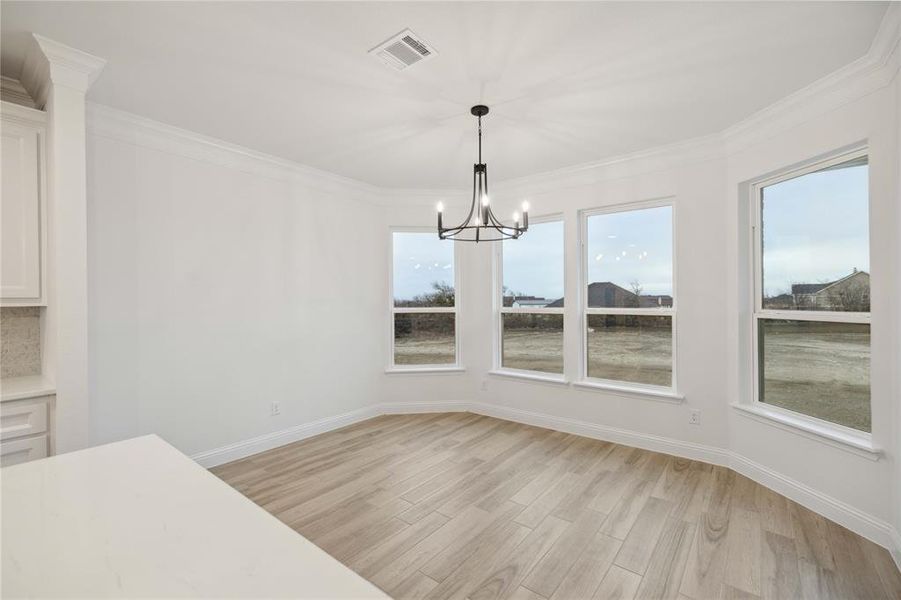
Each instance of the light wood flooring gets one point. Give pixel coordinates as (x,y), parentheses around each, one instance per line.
(459,505)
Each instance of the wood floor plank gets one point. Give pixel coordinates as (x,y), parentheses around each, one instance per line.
(414,587)
(464,578)
(774,511)
(455,553)
(524,593)
(553,567)
(667,566)
(509,574)
(548,501)
(584,577)
(779,568)
(364,530)
(589,485)
(636,550)
(860,578)
(544,481)
(373,560)
(706,566)
(811,537)
(727,592)
(618,584)
(882,562)
(536,514)
(743,547)
(460,529)
(624,514)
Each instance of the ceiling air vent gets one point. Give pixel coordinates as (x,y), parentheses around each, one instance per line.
(403,50)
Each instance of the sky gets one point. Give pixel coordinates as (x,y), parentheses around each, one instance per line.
(632,246)
(815,228)
(419,260)
(533,264)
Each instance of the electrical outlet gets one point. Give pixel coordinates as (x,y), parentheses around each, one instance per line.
(694,417)
(275,409)
(484,385)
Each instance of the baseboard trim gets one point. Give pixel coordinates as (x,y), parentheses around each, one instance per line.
(405,408)
(608,434)
(875,530)
(268,441)
(895,549)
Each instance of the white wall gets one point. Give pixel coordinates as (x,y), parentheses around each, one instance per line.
(897,395)
(219,283)
(704,178)
(856,481)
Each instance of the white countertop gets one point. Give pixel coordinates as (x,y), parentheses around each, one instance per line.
(138,518)
(29,386)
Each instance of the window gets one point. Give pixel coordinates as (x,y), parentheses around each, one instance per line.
(628,295)
(811,323)
(531,300)
(423,301)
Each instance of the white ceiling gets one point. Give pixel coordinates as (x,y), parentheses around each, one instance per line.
(567,83)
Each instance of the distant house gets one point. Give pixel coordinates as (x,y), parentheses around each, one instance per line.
(851,292)
(525,301)
(606,294)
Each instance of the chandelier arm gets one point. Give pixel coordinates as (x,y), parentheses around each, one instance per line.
(494,219)
(468,218)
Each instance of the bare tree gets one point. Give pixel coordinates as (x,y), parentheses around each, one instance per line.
(854,297)
(636,289)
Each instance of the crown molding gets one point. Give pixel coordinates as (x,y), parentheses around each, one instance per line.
(129,128)
(22,114)
(47,61)
(870,73)
(422,197)
(658,158)
(12,90)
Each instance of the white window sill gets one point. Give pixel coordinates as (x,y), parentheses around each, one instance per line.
(423,370)
(860,444)
(528,376)
(633,391)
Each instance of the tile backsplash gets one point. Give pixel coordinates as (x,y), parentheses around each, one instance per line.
(20,341)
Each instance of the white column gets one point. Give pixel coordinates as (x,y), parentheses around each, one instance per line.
(57,77)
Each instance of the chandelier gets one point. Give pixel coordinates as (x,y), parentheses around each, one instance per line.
(480,225)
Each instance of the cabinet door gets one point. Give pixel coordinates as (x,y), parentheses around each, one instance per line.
(24,450)
(20,213)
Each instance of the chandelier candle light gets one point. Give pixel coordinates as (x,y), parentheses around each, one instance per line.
(481,224)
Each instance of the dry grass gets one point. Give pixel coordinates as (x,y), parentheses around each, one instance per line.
(824,375)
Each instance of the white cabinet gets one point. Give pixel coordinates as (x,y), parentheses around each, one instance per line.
(22,210)
(23,430)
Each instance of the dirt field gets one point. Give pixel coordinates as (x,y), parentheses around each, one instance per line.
(534,350)
(824,374)
(631,354)
(424,349)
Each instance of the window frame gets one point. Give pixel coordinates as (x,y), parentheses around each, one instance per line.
(457,365)
(500,310)
(668,393)
(842,433)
